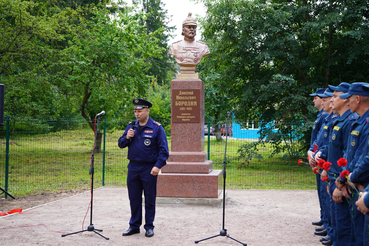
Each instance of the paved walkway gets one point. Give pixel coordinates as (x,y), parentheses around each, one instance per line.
(254,217)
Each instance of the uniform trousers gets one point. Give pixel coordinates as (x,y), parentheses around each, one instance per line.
(139,180)
(357,220)
(341,217)
(326,209)
(366,231)
(318,184)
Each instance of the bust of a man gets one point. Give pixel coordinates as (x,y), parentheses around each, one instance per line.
(188,52)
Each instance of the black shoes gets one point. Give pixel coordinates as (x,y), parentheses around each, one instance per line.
(317,223)
(326,238)
(321,233)
(329,242)
(130,232)
(320,228)
(149,233)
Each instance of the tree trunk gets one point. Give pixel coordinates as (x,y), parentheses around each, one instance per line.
(99,135)
(217,132)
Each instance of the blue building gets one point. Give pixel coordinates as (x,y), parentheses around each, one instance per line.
(251,131)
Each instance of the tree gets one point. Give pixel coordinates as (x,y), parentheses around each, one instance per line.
(270,55)
(60,61)
(160,97)
(104,65)
(27,47)
(157,19)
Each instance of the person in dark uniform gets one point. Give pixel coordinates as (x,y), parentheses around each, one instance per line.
(337,146)
(316,128)
(147,153)
(359,103)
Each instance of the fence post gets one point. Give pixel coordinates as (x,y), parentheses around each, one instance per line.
(103,169)
(208,139)
(7,155)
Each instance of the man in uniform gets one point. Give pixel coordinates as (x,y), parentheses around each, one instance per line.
(359,103)
(316,128)
(322,140)
(335,150)
(360,176)
(147,153)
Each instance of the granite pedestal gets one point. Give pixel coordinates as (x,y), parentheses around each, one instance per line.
(188,173)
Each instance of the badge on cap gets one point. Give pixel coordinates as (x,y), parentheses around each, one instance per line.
(139,103)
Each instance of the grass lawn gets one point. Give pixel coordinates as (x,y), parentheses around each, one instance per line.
(53,162)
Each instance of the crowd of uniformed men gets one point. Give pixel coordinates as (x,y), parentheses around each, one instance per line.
(339,153)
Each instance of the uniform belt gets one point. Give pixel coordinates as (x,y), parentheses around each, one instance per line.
(142,163)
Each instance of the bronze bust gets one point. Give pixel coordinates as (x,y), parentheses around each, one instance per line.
(188,52)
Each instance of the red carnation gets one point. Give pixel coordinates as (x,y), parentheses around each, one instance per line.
(321,163)
(300,162)
(345,173)
(342,162)
(325,179)
(326,165)
(316,170)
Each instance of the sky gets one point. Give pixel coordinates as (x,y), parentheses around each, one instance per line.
(179,10)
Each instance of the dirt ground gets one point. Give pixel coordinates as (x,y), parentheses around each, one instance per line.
(253,217)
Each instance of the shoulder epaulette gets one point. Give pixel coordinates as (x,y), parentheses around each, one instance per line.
(201,42)
(367,120)
(177,41)
(157,123)
(353,116)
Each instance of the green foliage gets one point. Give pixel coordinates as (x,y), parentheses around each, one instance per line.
(269,56)
(73,58)
(105,63)
(157,21)
(28,32)
(160,97)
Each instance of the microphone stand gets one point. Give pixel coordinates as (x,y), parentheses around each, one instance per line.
(91,172)
(223,232)
(6,193)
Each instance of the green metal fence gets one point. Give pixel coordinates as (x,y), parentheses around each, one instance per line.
(38,156)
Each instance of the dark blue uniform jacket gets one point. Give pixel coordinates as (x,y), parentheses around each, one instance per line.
(357,141)
(323,135)
(338,142)
(360,174)
(318,124)
(149,144)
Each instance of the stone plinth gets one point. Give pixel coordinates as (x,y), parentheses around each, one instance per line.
(190,185)
(188,173)
(188,136)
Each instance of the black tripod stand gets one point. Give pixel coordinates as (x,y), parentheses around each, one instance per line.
(6,193)
(223,232)
(91,226)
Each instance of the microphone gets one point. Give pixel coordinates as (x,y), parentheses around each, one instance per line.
(101,113)
(133,126)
